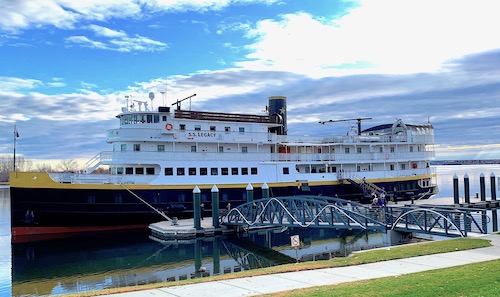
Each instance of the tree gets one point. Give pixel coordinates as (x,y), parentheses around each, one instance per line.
(67,165)
(7,165)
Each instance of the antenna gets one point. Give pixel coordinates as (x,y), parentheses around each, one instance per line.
(346,120)
(178,102)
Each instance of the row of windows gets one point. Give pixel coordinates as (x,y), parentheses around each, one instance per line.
(213,171)
(141,118)
(182,127)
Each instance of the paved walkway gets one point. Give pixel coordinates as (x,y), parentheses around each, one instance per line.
(266,284)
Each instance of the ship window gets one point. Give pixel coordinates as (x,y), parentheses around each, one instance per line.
(244,171)
(150,170)
(161,147)
(347,151)
(227,129)
(224,171)
(334,169)
(119,170)
(192,171)
(197,127)
(381,149)
(203,171)
(403,166)
(193,148)
(212,128)
(253,170)
(137,147)
(123,147)
(180,171)
(391,166)
(156,118)
(242,129)
(164,118)
(214,171)
(129,170)
(392,149)
(182,127)
(139,170)
(221,149)
(286,170)
(149,118)
(169,171)
(234,171)
(244,149)
(90,199)
(118,198)
(359,150)
(411,149)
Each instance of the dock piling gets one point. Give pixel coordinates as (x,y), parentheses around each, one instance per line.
(215,207)
(197,207)
(455,190)
(482,187)
(249,193)
(265,191)
(466,188)
(493,187)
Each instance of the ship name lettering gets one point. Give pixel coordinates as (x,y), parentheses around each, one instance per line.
(201,134)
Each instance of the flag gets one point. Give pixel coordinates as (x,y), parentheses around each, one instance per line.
(15,131)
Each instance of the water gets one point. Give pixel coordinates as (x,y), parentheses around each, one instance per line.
(72,265)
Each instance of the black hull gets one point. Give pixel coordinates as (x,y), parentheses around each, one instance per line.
(35,210)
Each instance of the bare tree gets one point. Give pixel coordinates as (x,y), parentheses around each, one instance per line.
(7,165)
(67,165)
(43,167)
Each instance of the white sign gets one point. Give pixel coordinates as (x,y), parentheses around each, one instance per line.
(295,240)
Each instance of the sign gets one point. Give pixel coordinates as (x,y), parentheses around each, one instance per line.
(295,240)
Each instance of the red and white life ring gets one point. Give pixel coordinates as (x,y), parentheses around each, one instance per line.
(169,126)
(414,165)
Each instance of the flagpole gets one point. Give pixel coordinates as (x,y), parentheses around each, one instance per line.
(15,136)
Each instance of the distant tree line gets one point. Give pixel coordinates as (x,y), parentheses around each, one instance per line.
(23,164)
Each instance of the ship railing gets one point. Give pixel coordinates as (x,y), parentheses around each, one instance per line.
(137,134)
(82,178)
(117,157)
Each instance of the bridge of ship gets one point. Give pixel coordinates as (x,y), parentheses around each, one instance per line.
(328,212)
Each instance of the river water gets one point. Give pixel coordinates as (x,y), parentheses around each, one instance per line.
(71,265)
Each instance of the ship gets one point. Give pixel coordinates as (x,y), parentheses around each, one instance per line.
(158,157)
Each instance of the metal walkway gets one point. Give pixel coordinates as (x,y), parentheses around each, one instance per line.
(327,212)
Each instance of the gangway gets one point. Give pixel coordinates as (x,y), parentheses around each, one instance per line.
(304,211)
(329,212)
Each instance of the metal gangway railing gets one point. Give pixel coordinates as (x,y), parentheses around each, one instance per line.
(437,220)
(328,212)
(303,211)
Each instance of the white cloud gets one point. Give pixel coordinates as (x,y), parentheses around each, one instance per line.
(387,36)
(106,32)
(9,84)
(21,15)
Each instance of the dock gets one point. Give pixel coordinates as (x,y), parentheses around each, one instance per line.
(184,229)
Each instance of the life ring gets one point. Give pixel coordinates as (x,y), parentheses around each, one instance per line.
(414,165)
(169,126)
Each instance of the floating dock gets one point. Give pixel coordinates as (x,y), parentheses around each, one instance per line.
(184,229)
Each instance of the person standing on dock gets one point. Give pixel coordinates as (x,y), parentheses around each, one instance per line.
(202,212)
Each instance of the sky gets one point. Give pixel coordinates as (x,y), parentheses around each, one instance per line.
(66,67)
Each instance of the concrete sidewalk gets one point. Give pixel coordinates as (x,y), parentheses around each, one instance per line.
(266,284)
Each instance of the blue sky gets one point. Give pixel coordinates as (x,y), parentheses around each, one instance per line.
(66,66)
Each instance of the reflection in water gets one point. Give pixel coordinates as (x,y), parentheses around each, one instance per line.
(94,263)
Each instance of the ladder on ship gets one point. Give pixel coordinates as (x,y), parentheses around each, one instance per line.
(367,187)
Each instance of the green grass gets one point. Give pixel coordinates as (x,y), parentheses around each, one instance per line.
(370,256)
(479,279)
